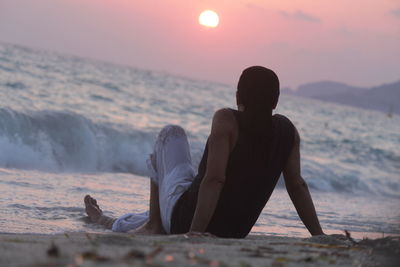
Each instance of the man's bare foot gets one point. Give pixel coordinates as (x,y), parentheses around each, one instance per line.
(92,209)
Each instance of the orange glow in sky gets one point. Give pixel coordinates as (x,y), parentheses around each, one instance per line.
(303,40)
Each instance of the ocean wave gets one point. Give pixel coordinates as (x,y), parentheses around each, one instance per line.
(66,141)
(57,208)
(98,82)
(101,98)
(58,141)
(15,85)
(48,213)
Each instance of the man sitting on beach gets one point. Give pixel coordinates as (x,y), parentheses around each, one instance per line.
(246,152)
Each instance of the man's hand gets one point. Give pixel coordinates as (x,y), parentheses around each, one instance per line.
(198,234)
(149,229)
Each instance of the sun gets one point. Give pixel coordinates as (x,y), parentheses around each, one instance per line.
(209,18)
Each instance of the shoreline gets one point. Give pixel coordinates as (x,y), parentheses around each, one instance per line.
(78,248)
(301,233)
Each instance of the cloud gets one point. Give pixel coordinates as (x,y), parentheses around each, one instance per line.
(297,15)
(345,31)
(395,12)
(254,6)
(251,5)
(301,15)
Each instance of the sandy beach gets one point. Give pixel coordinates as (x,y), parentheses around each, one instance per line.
(109,249)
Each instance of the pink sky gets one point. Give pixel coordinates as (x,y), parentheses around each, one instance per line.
(357,42)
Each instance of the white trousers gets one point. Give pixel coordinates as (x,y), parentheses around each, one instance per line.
(171,169)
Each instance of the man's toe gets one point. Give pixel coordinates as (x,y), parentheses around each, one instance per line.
(94,202)
(87,199)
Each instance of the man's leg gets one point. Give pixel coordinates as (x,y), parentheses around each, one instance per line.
(96,214)
(154,224)
(173,167)
(171,170)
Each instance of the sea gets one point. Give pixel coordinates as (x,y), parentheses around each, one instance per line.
(71,126)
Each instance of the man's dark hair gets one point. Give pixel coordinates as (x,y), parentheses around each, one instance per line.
(258,90)
(259,86)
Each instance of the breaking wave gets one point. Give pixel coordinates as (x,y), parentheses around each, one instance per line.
(66,141)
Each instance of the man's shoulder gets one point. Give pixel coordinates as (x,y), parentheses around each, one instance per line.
(224,119)
(286,125)
(225,114)
(281,117)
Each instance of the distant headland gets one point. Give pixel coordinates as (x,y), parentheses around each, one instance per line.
(385,98)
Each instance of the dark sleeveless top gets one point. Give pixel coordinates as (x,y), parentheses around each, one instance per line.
(251,175)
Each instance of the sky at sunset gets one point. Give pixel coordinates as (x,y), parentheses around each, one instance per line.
(357,42)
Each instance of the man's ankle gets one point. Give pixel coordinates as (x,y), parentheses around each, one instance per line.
(106,221)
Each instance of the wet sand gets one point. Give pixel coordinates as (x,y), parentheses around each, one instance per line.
(110,249)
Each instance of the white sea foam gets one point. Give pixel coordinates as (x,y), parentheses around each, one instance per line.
(65,141)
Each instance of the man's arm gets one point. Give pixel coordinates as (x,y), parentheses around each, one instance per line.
(219,144)
(298,190)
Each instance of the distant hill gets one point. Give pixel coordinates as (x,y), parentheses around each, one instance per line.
(385,98)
